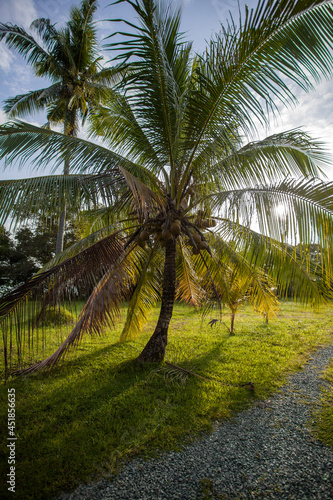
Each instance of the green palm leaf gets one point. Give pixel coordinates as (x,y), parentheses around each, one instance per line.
(22,141)
(27,198)
(281,261)
(307,205)
(146,277)
(291,153)
(243,72)
(188,286)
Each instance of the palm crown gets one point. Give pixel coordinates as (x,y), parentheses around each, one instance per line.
(70,58)
(181,187)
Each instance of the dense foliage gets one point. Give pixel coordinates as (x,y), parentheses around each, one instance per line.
(27,251)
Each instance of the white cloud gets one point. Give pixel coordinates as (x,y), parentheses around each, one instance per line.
(5,58)
(21,12)
(313,114)
(3,117)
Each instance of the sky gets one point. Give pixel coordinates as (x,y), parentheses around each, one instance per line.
(200,19)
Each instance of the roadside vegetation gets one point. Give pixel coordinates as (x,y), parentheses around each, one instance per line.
(98,408)
(324,417)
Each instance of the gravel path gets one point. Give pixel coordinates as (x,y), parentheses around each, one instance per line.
(265,452)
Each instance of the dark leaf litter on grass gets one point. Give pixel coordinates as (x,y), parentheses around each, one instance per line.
(265,452)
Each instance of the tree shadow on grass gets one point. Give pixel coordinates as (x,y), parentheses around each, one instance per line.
(84,417)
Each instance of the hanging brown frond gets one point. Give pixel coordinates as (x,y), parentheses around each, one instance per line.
(84,266)
(21,309)
(145,199)
(101,310)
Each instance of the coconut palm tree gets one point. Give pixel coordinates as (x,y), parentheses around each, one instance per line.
(70,58)
(185,187)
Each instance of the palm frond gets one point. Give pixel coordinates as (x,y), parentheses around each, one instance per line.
(80,269)
(101,310)
(45,29)
(31,102)
(117,124)
(101,267)
(24,142)
(243,73)
(188,287)
(307,206)
(84,243)
(19,39)
(290,153)
(144,198)
(147,281)
(285,264)
(46,196)
(157,76)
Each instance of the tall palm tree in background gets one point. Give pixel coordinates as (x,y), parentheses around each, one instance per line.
(185,186)
(70,58)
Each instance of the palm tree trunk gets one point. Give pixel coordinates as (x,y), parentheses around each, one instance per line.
(61,232)
(232,323)
(62,220)
(155,349)
(70,130)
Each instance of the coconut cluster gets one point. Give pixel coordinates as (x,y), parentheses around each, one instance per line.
(168,231)
(162,231)
(198,243)
(204,220)
(162,228)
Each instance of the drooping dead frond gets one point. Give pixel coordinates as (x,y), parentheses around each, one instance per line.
(101,310)
(68,280)
(83,266)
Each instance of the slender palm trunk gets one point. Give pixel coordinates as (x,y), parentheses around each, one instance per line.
(233,314)
(155,349)
(69,129)
(61,232)
(62,219)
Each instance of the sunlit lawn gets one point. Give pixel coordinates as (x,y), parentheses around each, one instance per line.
(98,408)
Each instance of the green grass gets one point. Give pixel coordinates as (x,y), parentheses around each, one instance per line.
(97,409)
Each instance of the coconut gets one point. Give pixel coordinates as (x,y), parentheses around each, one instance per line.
(203,245)
(167,235)
(163,243)
(141,243)
(196,251)
(184,203)
(144,235)
(175,228)
(190,191)
(197,238)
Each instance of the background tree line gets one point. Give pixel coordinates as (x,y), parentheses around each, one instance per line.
(28,249)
